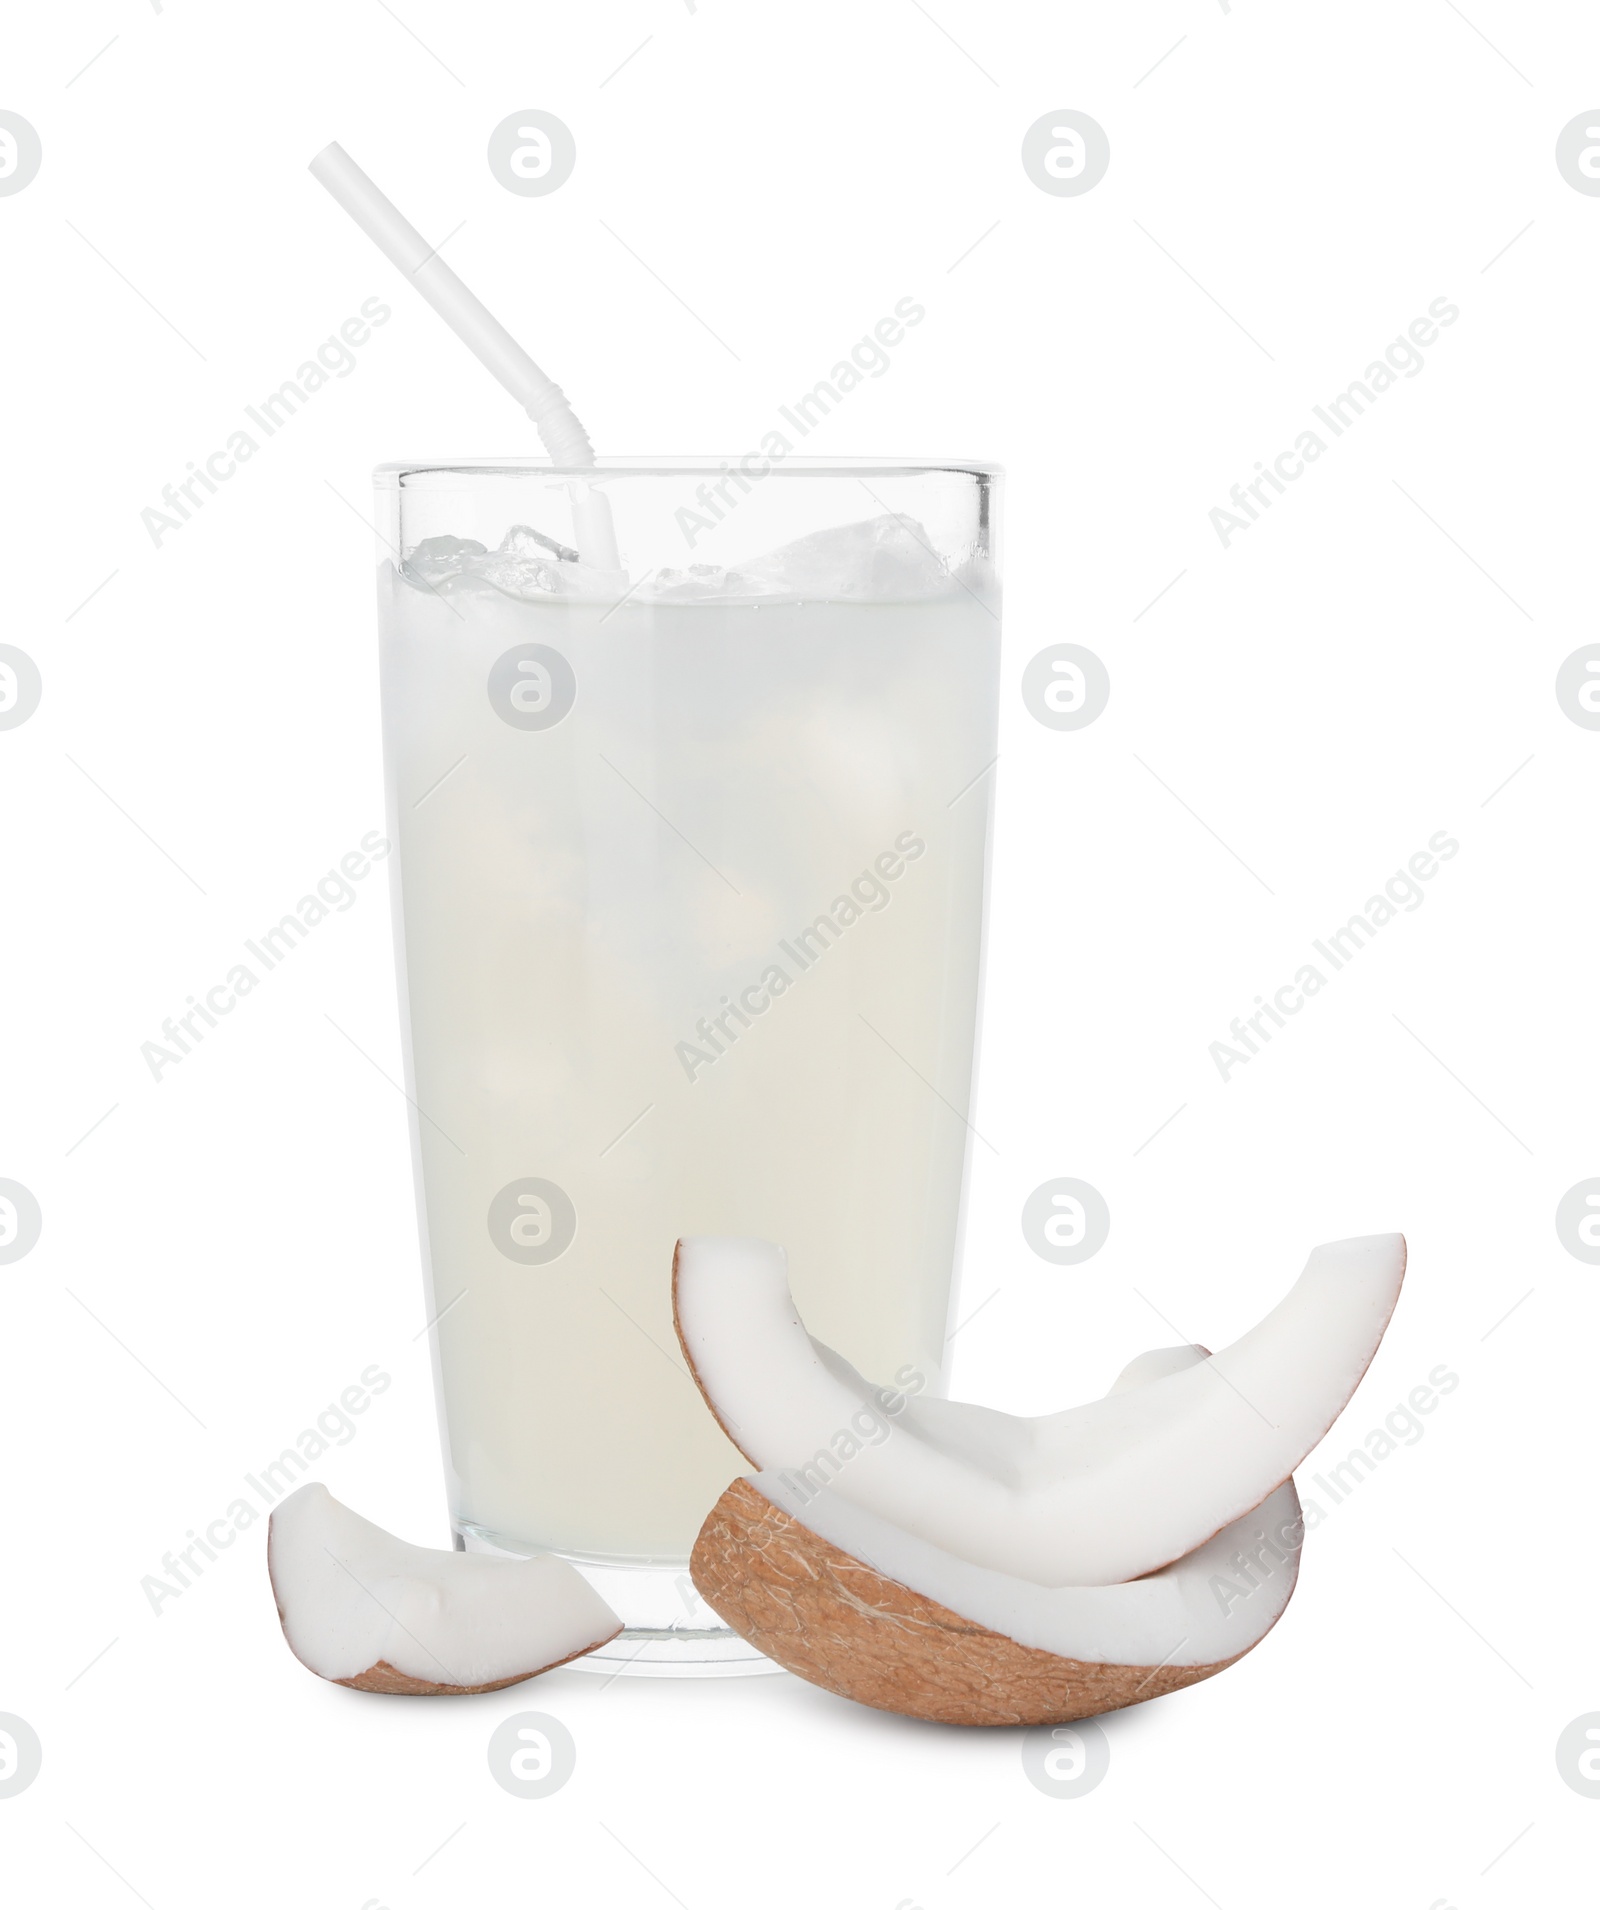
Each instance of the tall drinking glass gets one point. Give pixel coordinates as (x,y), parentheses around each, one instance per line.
(689,896)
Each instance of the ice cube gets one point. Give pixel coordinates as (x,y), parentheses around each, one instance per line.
(520,575)
(881,558)
(532,566)
(701,583)
(522,540)
(526,564)
(436,558)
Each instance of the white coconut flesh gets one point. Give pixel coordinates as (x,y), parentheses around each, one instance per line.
(1213,1605)
(354,1598)
(1093,1496)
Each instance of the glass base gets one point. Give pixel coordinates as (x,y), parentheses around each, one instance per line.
(669,1629)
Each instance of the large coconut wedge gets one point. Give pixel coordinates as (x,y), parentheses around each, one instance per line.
(362,1608)
(1096,1495)
(872,1612)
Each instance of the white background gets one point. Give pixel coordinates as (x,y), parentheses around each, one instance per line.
(1294,717)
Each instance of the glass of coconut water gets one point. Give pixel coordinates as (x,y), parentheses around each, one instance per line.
(689,897)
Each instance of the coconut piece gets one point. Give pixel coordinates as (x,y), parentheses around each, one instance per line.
(858,1618)
(362,1608)
(1096,1495)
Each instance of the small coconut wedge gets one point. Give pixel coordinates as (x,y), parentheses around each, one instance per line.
(362,1608)
(1096,1495)
(862,1608)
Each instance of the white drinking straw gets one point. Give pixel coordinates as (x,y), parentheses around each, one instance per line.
(483,334)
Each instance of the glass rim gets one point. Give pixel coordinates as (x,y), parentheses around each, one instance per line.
(402,474)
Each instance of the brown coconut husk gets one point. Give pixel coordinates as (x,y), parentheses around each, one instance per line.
(840,1624)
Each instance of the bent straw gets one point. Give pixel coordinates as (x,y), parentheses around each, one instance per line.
(483,335)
